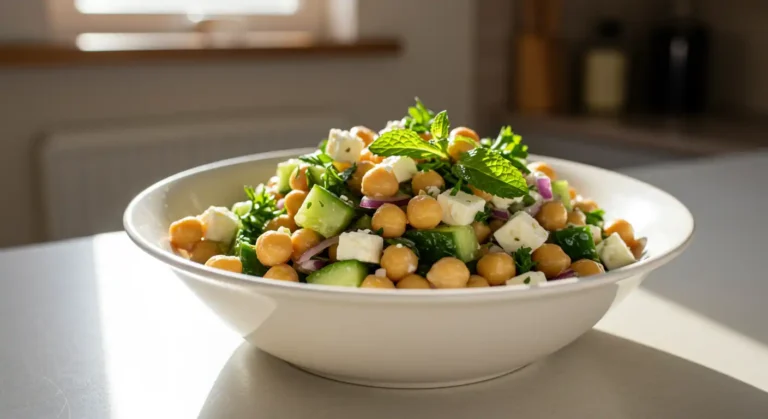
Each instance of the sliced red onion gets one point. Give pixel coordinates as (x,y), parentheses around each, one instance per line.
(311,265)
(373,203)
(280,203)
(500,214)
(545,187)
(314,250)
(568,273)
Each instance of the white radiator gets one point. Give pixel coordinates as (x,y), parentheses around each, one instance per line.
(88,176)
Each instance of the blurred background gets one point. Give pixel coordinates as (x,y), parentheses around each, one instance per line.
(100,98)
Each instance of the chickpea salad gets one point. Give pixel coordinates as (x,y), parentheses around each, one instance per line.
(414,205)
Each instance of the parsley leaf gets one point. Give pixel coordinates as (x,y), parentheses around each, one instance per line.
(440,125)
(263,210)
(523,261)
(489,171)
(595,217)
(576,242)
(405,142)
(483,215)
(336,182)
(318,158)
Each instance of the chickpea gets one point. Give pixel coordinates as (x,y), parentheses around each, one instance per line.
(363,133)
(552,216)
(367,155)
(399,261)
(422,180)
(285,220)
(413,281)
(638,248)
(457,147)
(551,260)
(448,272)
(274,248)
(625,230)
(496,224)
(282,272)
(390,218)
(298,179)
(577,218)
(226,263)
(204,250)
(332,251)
(542,167)
(426,136)
(424,212)
(586,206)
(482,231)
(356,180)
(294,201)
(477,281)
(586,267)
(303,239)
(497,268)
(465,132)
(185,233)
(482,194)
(381,282)
(380,182)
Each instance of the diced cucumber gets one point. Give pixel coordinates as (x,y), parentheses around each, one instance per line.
(313,174)
(324,213)
(346,273)
(251,264)
(577,242)
(284,170)
(561,190)
(456,241)
(363,223)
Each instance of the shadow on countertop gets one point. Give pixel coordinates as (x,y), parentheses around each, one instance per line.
(598,376)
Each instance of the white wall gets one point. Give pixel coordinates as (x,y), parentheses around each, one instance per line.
(436,65)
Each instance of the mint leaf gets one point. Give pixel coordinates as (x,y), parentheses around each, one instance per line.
(405,142)
(595,217)
(440,125)
(489,171)
(419,117)
(523,260)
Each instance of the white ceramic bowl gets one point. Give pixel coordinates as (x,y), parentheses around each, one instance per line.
(405,338)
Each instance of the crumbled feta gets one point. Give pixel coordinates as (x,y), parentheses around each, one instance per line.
(504,203)
(284,230)
(614,253)
(597,233)
(403,167)
(528,278)
(219,224)
(433,191)
(381,272)
(342,146)
(460,209)
(521,230)
(360,246)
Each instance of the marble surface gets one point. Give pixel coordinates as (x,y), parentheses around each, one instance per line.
(92,328)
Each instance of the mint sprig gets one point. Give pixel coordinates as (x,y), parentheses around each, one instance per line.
(405,142)
(489,171)
(440,125)
(523,260)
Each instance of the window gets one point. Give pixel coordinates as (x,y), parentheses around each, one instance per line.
(73,17)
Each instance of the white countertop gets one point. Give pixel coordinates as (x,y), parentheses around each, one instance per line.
(80,336)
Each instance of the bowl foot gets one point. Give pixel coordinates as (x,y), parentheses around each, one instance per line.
(408,384)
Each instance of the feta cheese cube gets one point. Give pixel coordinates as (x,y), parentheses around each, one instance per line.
(460,209)
(219,224)
(342,146)
(361,246)
(521,230)
(614,253)
(597,233)
(433,191)
(403,167)
(528,278)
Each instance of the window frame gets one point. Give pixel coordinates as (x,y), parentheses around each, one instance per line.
(68,22)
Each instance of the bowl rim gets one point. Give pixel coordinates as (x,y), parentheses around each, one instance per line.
(219,277)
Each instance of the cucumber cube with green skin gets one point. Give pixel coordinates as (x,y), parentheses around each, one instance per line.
(345,273)
(363,223)
(284,171)
(324,213)
(251,264)
(446,241)
(561,190)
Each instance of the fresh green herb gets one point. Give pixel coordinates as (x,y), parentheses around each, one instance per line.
(528,200)
(523,260)
(595,217)
(405,142)
(251,264)
(511,147)
(309,205)
(527,280)
(440,126)
(379,232)
(488,171)
(576,242)
(318,158)
(484,215)
(264,208)
(336,182)
(457,187)
(321,146)
(405,242)
(419,117)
